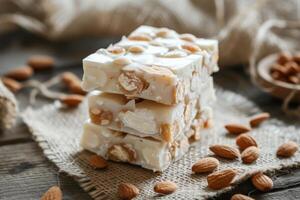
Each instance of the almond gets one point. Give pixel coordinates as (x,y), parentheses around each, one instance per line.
(237,128)
(97,162)
(11,84)
(191,47)
(127,191)
(258,119)
(72,82)
(245,140)
(205,165)
(165,187)
(287,149)
(116,50)
(72,100)
(250,154)
(225,151)
(122,153)
(140,37)
(262,182)
(221,179)
(20,74)
(54,193)
(240,197)
(40,62)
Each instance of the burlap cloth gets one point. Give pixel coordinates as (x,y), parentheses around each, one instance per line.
(57,130)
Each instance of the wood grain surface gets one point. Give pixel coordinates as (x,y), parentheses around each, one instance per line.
(25,173)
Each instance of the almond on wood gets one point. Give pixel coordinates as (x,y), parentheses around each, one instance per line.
(127,191)
(256,120)
(165,187)
(54,193)
(205,165)
(287,149)
(237,128)
(225,151)
(20,73)
(245,140)
(262,182)
(221,179)
(250,155)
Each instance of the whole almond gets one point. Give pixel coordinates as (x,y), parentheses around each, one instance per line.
(245,140)
(11,84)
(205,165)
(250,154)
(262,182)
(127,191)
(20,74)
(221,179)
(54,193)
(256,120)
(97,162)
(72,82)
(72,100)
(165,187)
(287,149)
(237,128)
(240,197)
(40,62)
(225,151)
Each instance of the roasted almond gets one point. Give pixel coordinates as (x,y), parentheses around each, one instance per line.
(205,165)
(245,140)
(225,151)
(40,62)
(287,149)
(54,193)
(20,74)
(11,84)
(72,100)
(97,162)
(127,191)
(165,187)
(240,197)
(237,128)
(72,82)
(221,179)
(262,182)
(258,119)
(250,154)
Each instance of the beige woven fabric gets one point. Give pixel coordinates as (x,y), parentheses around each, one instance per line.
(58,131)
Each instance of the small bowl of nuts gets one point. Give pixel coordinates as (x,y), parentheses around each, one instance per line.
(279,75)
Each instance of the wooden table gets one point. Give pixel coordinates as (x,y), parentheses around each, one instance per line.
(25,173)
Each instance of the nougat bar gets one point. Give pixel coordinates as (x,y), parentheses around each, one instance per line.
(152,66)
(146,118)
(122,147)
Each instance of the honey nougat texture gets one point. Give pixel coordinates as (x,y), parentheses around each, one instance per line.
(157,64)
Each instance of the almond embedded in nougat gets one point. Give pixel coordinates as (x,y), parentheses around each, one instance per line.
(221,179)
(205,165)
(245,140)
(262,182)
(237,128)
(122,153)
(287,149)
(256,120)
(127,191)
(54,193)
(131,83)
(225,151)
(165,187)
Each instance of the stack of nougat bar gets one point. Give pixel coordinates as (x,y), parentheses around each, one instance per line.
(151,94)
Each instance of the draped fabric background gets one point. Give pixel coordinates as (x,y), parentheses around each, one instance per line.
(235,23)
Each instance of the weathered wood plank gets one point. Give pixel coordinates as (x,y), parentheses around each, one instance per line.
(26,174)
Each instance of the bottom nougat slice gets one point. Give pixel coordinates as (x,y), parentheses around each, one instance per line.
(147,152)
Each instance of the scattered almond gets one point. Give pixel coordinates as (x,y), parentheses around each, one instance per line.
(250,154)
(72,100)
(262,182)
(287,149)
(165,187)
(258,119)
(205,165)
(237,128)
(245,140)
(11,84)
(128,191)
(240,197)
(20,74)
(72,82)
(225,151)
(97,162)
(40,62)
(221,179)
(54,193)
